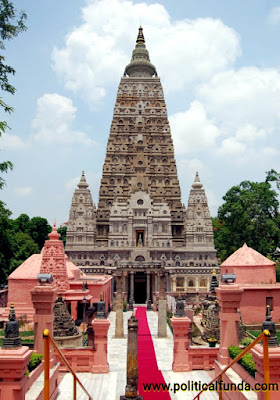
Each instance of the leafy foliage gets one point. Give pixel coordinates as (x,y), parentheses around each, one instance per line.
(62,230)
(246,361)
(249,215)
(19,239)
(10,26)
(34,361)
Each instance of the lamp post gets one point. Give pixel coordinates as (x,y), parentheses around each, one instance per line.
(84,318)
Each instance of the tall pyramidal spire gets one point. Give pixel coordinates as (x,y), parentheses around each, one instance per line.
(141,226)
(140,153)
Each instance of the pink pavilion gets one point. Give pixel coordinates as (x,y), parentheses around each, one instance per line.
(73,284)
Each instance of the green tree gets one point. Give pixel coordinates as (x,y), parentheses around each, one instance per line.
(21,223)
(62,230)
(249,214)
(6,251)
(273,176)
(11,24)
(23,246)
(38,229)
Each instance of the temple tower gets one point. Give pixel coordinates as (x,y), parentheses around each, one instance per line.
(198,224)
(140,153)
(82,221)
(141,228)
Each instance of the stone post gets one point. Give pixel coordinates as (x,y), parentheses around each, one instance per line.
(131,391)
(43,297)
(181,328)
(162,327)
(100,327)
(229,297)
(148,286)
(119,308)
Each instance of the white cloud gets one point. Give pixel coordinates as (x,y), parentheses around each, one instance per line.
(231,146)
(96,52)
(274,16)
(24,191)
(248,96)
(11,142)
(270,152)
(192,131)
(249,133)
(54,119)
(193,164)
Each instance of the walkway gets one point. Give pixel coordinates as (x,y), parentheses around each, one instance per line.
(111,386)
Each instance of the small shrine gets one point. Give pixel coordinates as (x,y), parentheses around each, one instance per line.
(64,328)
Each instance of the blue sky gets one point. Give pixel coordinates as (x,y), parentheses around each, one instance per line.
(219,65)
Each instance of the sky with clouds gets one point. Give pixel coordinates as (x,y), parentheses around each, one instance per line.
(219,65)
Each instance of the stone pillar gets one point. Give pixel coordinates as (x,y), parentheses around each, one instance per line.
(148,286)
(100,327)
(229,297)
(156,283)
(132,286)
(124,286)
(173,283)
(119,308)
(43,298)
(131,391)
(181,328)
(162,326)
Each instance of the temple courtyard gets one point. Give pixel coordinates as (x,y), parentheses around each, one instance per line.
(111,386)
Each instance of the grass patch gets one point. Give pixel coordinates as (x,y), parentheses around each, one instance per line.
(21,334)
(257,333)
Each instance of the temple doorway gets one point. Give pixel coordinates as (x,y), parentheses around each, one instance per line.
(140,288)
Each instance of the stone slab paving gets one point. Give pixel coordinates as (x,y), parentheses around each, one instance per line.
(111,386)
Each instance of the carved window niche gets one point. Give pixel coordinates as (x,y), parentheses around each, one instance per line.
(140,238)
(202,283)
(191,284)
(180,282)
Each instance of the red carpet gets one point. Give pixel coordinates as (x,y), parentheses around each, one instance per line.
(147,363)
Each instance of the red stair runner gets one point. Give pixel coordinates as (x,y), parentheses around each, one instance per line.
(147,364)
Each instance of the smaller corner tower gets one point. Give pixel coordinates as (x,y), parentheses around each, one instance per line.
(82,221)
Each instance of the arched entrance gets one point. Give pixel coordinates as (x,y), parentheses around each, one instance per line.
(140,287)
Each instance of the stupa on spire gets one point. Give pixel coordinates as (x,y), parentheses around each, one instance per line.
(140,64)
(83,182)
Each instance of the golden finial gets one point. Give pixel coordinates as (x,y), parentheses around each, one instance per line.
(214,272)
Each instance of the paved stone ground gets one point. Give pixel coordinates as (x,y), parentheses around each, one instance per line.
(111,386)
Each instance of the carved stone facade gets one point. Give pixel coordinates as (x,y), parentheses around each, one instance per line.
(140,226)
